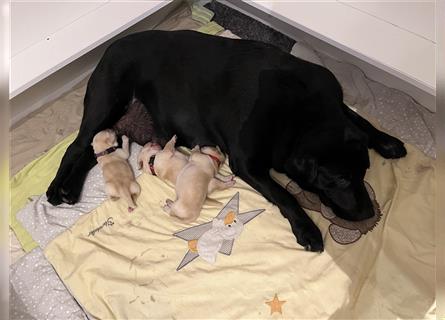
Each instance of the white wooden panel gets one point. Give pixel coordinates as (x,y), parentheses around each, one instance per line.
(32,22)
(414,16)
(74,39)
(382,44)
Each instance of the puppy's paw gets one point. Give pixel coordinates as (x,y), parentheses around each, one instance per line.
(390,147)
(226,178)
(167,206)
(124,138)
(230,183)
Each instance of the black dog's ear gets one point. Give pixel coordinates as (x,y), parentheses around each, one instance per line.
(307,167)
(359,141)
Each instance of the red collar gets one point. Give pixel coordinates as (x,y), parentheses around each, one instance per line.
(151,164)
(218,162)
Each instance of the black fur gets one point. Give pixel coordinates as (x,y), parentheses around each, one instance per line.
(263,107)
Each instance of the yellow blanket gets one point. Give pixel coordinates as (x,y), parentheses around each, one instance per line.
(122,265)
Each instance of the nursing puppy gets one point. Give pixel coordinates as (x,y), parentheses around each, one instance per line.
(165,163)
(196,180)
(117,173)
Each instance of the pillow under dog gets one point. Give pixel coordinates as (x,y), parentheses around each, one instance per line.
(136,124)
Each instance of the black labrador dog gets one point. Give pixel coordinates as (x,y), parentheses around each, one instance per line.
(265,108)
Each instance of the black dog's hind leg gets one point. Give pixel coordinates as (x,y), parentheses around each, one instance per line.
(387,146)
(307,233)
(107,94)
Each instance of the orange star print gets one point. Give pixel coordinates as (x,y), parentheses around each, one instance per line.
(275,305)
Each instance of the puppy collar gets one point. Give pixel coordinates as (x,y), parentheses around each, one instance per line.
(105,152)
(151,164)
(218,162)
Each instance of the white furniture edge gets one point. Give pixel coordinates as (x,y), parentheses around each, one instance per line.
(67,77)
(421,94)
(47,56)
(329,33)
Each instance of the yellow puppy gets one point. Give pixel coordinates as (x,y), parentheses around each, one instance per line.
(118,176)
(165,163)
(195,181)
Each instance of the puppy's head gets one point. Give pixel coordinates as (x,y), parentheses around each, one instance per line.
(332,164)
(104,140)
(150,149)
(214,152)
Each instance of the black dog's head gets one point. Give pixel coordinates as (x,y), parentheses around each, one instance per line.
(332,163)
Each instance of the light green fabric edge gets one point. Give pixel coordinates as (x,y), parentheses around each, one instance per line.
(211,28)
(33,180)
(201,14)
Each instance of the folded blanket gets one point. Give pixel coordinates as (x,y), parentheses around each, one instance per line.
(201,14)
(123,265)
(31,181)
(210,28)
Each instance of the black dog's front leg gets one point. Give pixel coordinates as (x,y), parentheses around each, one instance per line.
(108,92)
(386,145)
(72,186)
(70,158)
(307,233)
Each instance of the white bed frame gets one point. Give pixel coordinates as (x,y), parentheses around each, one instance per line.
(393,43)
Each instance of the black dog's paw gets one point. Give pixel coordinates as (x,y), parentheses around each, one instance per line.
(69,193)
(68,196)
(53,194)
(311,239)
(390,147)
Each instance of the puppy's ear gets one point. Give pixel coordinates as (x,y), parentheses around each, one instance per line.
(306,167)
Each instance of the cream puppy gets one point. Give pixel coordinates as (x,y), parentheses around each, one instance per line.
(165,163)
(118,176)
(195,181)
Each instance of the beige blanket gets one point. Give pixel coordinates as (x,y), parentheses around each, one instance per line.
(122,265)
